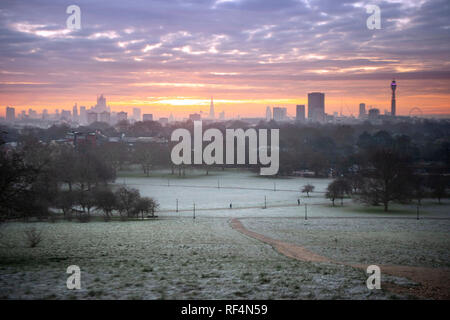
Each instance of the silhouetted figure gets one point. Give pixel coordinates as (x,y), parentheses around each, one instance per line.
(231,205)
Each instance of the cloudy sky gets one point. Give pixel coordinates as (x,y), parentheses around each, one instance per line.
(172,56)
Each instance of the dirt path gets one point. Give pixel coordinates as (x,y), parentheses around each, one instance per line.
(433,283)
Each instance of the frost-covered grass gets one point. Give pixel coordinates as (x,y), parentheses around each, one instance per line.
(381,241)
(175,257)
(164,259)
(220,188)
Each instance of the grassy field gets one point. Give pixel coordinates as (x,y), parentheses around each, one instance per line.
(177,257)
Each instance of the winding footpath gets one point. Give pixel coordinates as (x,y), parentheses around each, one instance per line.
(433,283)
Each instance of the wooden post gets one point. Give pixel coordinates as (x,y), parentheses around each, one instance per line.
(265,202)
(177,205)
(194,212)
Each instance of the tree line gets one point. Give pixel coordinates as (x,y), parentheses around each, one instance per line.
(41,180)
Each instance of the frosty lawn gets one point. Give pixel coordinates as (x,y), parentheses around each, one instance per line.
(176,257)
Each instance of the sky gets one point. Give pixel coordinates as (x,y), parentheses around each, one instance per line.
(170,57)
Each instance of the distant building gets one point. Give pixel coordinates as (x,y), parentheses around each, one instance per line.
(92,117)
(195,117)
(163,121)
(211,109)
(105,116)
(32,114)
(147,117)
(80,138)
(362,110)
(279,114)
(393,101)
(222,115)
(122,116)
(10,114)
(101,105)
(137,114)
(45,115)
(83,114)
(316,106)
(65,115)
(75,112)
(374,113)
(300,113)
(268,114)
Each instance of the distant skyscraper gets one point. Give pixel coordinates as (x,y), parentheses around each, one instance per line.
(211,109)
(101,105)
(147,117)
(171,118)
(163,121)
(83,115)
(137,114)
(75,112)
(279,114)
(393,102)
(10,114)
(362,110)
(268,114)
(316,106)
(45,114)
(300,112)
(222,115)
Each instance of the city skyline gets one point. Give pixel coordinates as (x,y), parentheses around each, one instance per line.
(168,58)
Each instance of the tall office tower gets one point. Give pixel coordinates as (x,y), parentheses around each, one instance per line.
(10,114)
(362,110)
(211,109)
(101,104)
(300,112)
(45,114)
(268,114)
(137,114)
(75,112)
(83,114)
(316,106)
(393,102)
(279,114)
(222,115)
(171,118)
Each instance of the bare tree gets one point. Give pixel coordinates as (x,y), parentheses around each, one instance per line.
(308,188)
